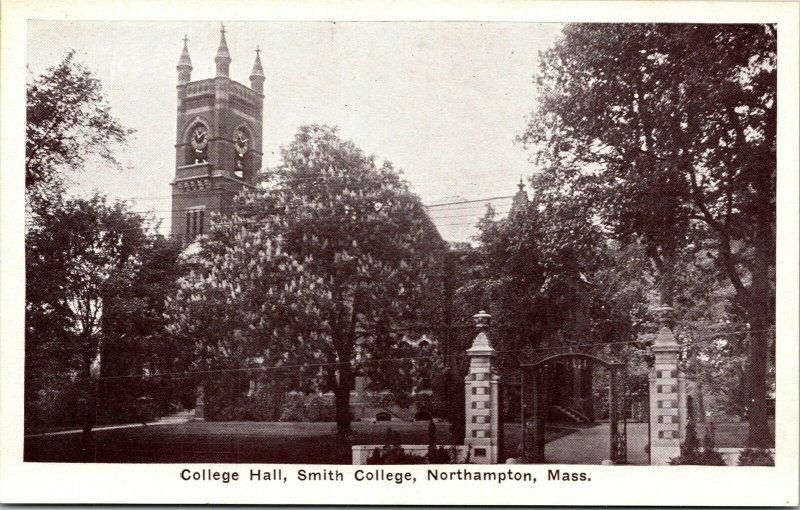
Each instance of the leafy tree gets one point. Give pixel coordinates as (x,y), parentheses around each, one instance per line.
(667,134)
(67,121)
(133,342)
(711,326)
(81,260)
(551,276)
(316,268)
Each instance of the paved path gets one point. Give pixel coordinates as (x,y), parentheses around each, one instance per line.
(591,446)
(172,419)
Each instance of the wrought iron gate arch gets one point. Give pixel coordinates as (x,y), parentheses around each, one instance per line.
(533,447)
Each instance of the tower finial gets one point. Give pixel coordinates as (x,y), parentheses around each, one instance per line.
(257,74)
(520,198)
(184,66)
(223,58)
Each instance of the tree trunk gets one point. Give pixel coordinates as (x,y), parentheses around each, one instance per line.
(342,399)
(701,404)
(456,411)
(88,410)
(759,435)
(760,315)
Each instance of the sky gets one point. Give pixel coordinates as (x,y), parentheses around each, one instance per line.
(443,101)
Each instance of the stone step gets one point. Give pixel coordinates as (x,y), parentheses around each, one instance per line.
(573,414)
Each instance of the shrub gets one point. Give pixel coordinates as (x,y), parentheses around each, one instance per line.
(294,408)
(230,399)
(320,408)
(710,456)
(392,452)
(53,406)
(423,402)
(440,455)
(690,449)
(431,434)
(384,399)
(308,408)
(756,457)
(437,454)
(394,455)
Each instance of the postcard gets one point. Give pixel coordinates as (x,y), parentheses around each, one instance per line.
(462,253)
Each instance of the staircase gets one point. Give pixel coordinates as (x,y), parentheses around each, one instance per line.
(573,414)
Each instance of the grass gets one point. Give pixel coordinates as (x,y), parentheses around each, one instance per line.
(238,442)
(731,434)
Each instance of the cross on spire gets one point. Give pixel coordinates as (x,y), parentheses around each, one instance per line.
(223,58)
(257,74)
(184,62)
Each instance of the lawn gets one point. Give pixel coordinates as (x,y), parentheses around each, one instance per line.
(238,442)
(731,434)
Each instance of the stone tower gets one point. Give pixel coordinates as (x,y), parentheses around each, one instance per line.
(218,145)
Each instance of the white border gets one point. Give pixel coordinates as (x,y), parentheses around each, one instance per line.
(76,483)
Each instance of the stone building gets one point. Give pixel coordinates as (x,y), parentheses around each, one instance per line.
(218,146)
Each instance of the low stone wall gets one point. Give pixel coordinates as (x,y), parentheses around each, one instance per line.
(361,452)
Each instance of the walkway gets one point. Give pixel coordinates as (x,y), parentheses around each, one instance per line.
(591,446)
(181,417)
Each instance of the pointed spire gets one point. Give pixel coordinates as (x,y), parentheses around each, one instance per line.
(184,66)
(223,58)
(521,197)
(258,70)
(257,74)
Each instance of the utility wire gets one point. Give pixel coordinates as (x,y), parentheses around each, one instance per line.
(189,373)
(245,208)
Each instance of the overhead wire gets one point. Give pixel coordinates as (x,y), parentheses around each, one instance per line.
(570,347)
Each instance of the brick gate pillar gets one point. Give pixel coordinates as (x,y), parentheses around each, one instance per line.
(482,432)
(665,419)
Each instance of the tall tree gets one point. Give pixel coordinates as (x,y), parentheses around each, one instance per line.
(317,267)
(68,120)
(79,257)
(549,275)
(75,249)
(667,133)
(134,348)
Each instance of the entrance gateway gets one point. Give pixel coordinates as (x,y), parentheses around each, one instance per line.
(537,396)
(666,412)
(483,441)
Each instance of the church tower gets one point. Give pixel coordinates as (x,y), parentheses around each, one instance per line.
(218,146)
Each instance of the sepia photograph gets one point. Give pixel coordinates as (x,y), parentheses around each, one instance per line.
(296,247)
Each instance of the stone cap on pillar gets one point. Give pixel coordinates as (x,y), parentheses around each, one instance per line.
(665,341)
(481,345)
(665,338)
